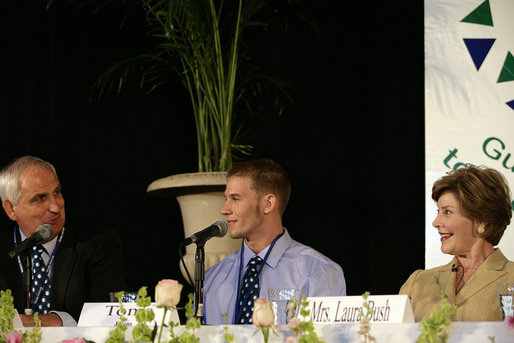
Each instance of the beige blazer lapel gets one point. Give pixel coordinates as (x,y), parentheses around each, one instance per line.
(446,278)
(487,273)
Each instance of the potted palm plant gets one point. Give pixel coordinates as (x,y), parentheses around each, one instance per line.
(201,42)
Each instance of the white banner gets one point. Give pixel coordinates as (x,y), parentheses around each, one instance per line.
(469,98)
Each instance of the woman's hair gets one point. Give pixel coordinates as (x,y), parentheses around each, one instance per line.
(267,177)
(10,176)
(483,194)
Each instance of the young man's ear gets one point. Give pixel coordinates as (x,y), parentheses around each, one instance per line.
(270,203)
(9,209)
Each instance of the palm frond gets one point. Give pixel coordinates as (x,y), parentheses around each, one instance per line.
(149,71)
(201,42)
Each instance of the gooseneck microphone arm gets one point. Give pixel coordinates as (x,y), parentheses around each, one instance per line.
(218,228)
(41,234)
(199,279)
(26,282)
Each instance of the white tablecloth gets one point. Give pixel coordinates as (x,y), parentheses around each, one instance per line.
(468,332)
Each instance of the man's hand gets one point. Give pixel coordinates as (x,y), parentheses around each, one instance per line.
(50,319)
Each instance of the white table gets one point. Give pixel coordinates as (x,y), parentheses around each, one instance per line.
(468,332)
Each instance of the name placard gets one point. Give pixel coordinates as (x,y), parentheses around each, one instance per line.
(108,314)
(17,320)
(386,309)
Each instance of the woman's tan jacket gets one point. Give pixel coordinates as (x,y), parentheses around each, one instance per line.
(476,301)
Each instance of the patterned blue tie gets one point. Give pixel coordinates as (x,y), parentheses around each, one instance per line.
(40,281)
(250,288)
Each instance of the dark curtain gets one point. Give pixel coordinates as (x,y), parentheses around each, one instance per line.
(352,141)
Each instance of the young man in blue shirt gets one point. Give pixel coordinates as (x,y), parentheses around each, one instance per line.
(256,195)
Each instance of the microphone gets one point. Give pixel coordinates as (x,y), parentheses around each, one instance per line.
(42,233)
(218,228)
(455,268)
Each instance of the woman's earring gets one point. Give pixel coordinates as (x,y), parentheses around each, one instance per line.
(481,229)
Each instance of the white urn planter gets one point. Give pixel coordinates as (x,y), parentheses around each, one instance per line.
(200,197)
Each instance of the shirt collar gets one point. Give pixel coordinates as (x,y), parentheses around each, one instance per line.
(49,246)
(278,250)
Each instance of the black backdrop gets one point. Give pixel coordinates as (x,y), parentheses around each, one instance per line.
(352,141)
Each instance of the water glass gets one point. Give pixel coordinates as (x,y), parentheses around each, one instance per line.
(280,299)
(127,297)
(505,294)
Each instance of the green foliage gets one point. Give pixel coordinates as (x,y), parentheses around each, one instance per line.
(433,328)
(192,323)
(227,336)
(34,335)
(142,332)
(305,329)
(188,336)
(174,337)
(7,312)
(366,314)
(117,335)
(144,300)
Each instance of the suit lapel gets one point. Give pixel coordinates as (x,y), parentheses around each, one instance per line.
(489,272)
(446,278)
(63,266)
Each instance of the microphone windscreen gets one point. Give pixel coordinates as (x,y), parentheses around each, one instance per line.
(222,225)
(44,231)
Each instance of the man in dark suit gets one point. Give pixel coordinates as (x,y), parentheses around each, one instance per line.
(76,269)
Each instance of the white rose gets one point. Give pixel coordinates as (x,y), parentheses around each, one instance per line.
(167,293)
(263,315)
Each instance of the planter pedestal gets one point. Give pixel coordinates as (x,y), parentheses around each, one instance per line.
(200,197)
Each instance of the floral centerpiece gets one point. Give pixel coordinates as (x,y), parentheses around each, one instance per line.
(366,314)
(167,296)
(7,314)
(433,328)
(303,330)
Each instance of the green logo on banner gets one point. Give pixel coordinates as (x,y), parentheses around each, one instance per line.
(481,15)
(493,147)
(507,73)
(479,48)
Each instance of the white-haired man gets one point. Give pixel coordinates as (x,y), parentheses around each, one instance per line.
(73,270)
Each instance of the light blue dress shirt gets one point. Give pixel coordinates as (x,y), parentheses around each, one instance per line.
(289,265)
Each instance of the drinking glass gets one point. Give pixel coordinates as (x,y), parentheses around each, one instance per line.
(127,297)
(280,299)
(505,294)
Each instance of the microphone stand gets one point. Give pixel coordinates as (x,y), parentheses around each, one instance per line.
(199,278)
(26,282)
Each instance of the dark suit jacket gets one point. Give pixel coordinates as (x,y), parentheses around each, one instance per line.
(85,270)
